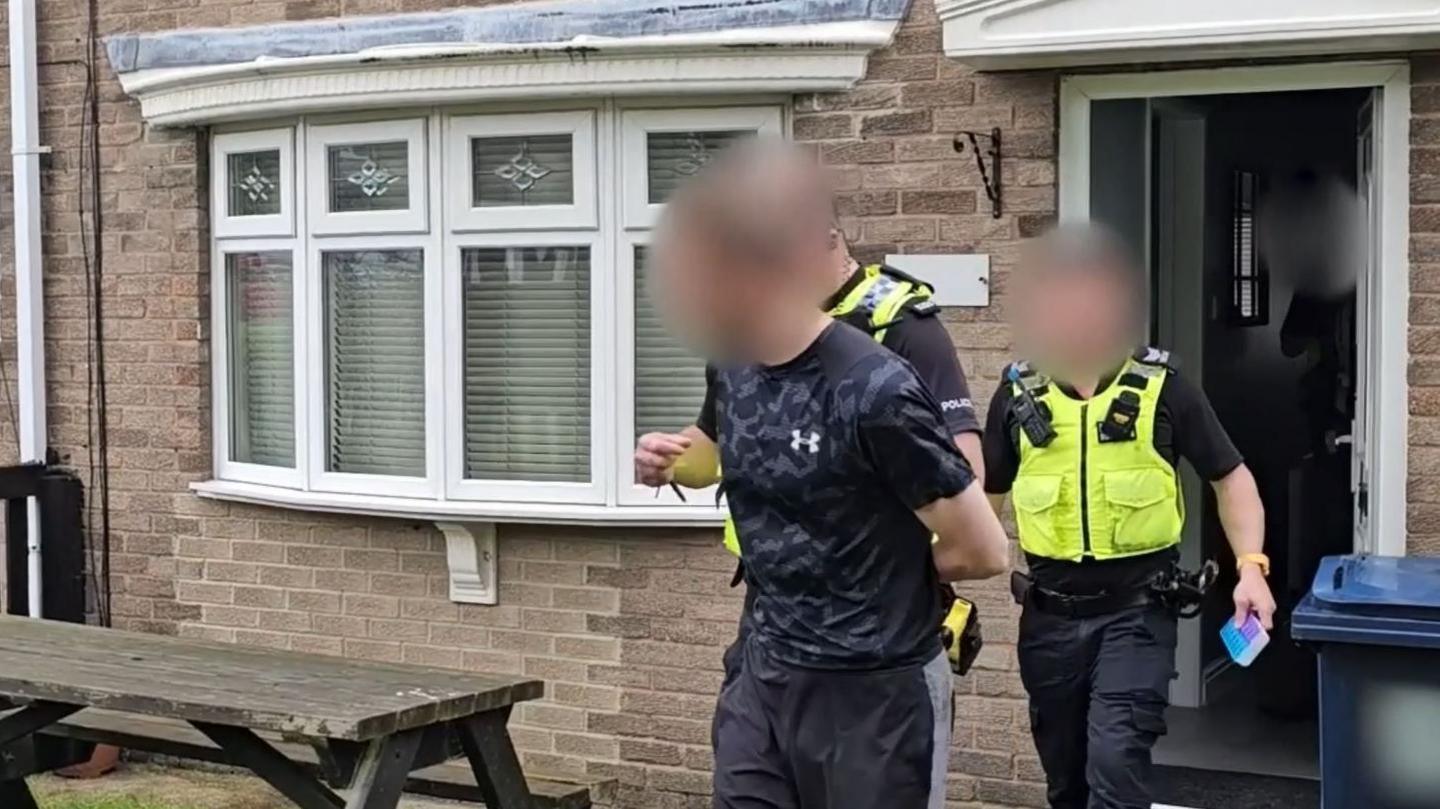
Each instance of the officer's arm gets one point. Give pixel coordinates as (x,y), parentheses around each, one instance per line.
(1002,458)
(969,444)
(1201,439)
(923,341)
(1242,514)
(970,543)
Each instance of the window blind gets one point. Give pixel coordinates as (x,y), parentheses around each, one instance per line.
(375,363)
(527,363)
(669,380)
(262,358)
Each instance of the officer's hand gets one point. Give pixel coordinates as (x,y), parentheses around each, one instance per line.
(655,457)
(1252,594)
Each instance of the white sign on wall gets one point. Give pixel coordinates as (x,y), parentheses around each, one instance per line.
(959,280)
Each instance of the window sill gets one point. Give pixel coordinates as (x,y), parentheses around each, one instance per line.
(443,510)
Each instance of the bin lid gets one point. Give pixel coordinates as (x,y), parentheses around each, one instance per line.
(1397,581)
(1381,600)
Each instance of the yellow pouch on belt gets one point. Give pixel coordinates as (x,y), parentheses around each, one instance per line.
(961,633)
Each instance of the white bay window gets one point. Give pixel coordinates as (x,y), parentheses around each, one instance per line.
(446,314)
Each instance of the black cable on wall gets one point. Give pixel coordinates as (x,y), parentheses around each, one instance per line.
(93,253)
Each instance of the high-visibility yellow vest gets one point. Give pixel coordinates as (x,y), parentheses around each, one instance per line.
(1086,493)
(876,303)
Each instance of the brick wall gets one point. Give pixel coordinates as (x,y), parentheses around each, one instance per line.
(1423,518)
(626,626)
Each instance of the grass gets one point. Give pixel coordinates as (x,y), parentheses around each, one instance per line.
(103,802)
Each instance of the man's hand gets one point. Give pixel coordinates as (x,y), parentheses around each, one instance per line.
(655,457)
(1252,594)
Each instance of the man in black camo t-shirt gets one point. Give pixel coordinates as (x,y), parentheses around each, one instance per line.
(839,471)
(826,458)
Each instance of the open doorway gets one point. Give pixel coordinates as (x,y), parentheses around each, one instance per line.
(1215,192)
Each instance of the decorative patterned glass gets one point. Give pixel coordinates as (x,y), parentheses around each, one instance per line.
(523,170)
(527,363)
(375,361)
(674,157)
(369,177)
(254,183)
(261,344)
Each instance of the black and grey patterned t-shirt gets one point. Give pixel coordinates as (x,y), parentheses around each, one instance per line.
(826,459)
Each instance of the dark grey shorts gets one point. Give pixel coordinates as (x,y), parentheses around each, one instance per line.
(792,738)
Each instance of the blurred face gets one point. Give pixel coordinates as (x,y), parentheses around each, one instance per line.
(1074,321)
(731,304)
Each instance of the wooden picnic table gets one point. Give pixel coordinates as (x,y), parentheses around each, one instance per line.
(381,713)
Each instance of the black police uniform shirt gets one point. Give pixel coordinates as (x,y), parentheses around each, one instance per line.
(825,459)
(923,342)
(1185,427)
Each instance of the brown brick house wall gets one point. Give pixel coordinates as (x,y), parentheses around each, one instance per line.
(625,625)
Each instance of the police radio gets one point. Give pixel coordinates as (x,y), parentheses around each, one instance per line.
(1032,415)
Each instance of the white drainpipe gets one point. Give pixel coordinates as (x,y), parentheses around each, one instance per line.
(29,294)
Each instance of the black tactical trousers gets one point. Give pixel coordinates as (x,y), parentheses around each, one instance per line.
(1098,688)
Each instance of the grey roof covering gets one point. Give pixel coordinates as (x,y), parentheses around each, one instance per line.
(521,23)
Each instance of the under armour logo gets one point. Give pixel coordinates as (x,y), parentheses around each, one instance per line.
(797,441)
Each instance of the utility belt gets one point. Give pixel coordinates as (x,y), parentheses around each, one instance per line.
(1180,591)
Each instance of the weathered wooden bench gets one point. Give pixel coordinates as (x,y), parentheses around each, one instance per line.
(435,774)
(371,724)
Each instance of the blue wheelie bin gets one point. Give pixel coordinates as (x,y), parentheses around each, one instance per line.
(1375,624)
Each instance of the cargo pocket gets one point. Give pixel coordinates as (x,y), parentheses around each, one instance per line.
(1142,509)
(1035,498)
(1149,721)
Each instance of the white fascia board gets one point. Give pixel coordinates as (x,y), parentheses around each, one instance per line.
(1033,34)
(793,59)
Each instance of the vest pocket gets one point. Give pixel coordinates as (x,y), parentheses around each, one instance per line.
(1035,498)
(1142,509)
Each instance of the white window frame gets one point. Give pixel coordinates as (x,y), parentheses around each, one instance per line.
(462,488)
(632,493)
(462,214)
(413,219)
(636,125)
(322,479)
(441,222)
(225,467)
(280,224)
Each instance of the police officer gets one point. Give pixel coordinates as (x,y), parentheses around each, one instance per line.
(1085,436)
(839,470)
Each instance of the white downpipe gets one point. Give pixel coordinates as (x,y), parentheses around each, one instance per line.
(29,293)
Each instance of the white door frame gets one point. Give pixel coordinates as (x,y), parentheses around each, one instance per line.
(1390,396)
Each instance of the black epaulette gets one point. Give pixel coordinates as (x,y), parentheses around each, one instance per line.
(901,275)
(922,307)
(1150,355)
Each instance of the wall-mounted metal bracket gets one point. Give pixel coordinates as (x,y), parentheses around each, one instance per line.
(989,174)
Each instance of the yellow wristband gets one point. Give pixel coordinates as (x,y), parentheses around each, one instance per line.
(1259,559)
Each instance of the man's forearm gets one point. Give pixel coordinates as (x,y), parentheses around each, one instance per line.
(969,542)
(1242,514)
